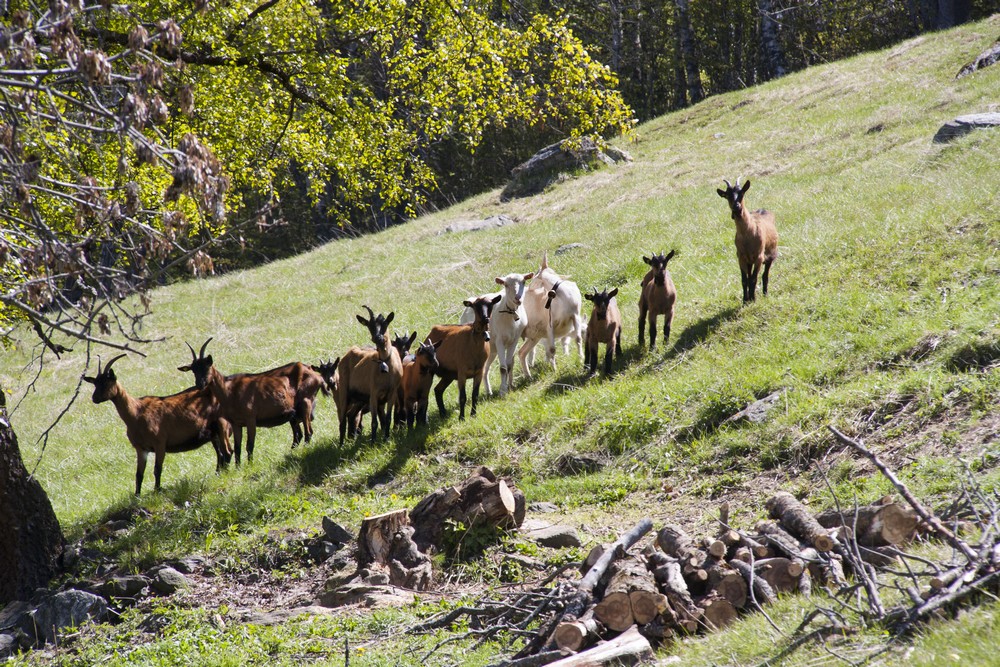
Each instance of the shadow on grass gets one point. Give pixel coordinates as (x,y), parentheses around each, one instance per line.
(700,330)
(321,458)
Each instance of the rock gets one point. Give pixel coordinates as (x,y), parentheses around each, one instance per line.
(964,124)
(377,578)
(124,587)
(757,412)
(320,550)
(366,595)
(189,565)
(66,609)
(988,57)
(555,537)
(575,464)
(567,247)
(335,532)
(279,616)
(547,165)
(543,508)
(168,581)
(8,646)
(492,222)
(533,524)
(12,614)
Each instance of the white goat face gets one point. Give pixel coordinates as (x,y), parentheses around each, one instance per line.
(513,287)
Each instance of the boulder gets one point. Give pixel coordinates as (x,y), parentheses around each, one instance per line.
(168,581)
(8,646)
(367,595)
(124,587)
(492,222)
(66,609)
(555,537)
(963,125)
(576,464)
(549,165)
(988,57)
(543,508)
(758,411)
(335,532)
(189,565)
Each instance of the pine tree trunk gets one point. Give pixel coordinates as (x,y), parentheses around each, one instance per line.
(685,37)
(32,544)
(774,58)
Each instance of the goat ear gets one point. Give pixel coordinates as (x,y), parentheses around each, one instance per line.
(467,303)
(87,378)
(496,299)
(722,193)
(588,297)
(362,320)
(413,337)
(389,318)
(528,276)
(183,369)
(613,292)
(647,260)
(746,186)
(499,281)
(438,343)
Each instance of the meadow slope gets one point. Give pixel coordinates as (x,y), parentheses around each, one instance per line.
(883,319)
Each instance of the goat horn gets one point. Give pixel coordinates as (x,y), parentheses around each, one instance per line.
(202,353)
(194,355)
(371,315)
(107,366)
(728,185)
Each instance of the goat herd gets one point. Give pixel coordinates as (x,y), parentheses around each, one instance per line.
(385,378)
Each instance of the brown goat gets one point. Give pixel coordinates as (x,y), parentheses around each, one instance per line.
(402,344)
(657,298)
(164,424)
(756,239)
(605,326)
(369,375)
(462,351)
(418,375)
(282,395)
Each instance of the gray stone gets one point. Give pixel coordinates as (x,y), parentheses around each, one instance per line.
(280,616)
(543,508)
(964,124)
(758,411)
(576,464)
(335,532)
(492,222)
(555,537)
(11,615)
(67,609)
(548,165)
(320,550)
(188,565)
(8,646)
(366,595)
(567,247)
(988,57)
(125,587)
(168,581)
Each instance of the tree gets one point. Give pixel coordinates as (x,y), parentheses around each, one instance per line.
(133,137)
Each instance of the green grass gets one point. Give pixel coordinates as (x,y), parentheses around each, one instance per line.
(883,319)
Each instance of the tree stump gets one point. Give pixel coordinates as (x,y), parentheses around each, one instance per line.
(408,567)
(717,612)
(875,525)
(794,517)
(376,537)
(480,499)
(781,573)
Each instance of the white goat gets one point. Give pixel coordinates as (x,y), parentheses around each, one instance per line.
(553,307)
(508,320)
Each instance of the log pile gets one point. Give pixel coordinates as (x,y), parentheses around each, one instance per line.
(681,585)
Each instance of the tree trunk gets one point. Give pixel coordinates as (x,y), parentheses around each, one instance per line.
(629,648)
(951,13)
(685,40)
(578,634)
(774,58)
(32,545)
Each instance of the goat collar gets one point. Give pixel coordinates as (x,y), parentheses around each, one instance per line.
(511,311)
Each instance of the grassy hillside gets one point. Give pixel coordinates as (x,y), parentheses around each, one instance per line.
(883,319)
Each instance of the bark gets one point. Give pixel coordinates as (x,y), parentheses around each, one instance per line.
(675,542)
(480,499)
(779,540)
(629,648)
(795,518)
(32,545)
(375,539)
(762,591)
(874,525)
(729,584)
(755,547)
(671,580)
(686,44)
(774,57)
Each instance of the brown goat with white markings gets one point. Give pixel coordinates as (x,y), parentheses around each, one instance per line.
(418,375)
(369,376)
(657,298)
(164,424)
(462,351)
(282,395)
(756,239)
(605,326)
